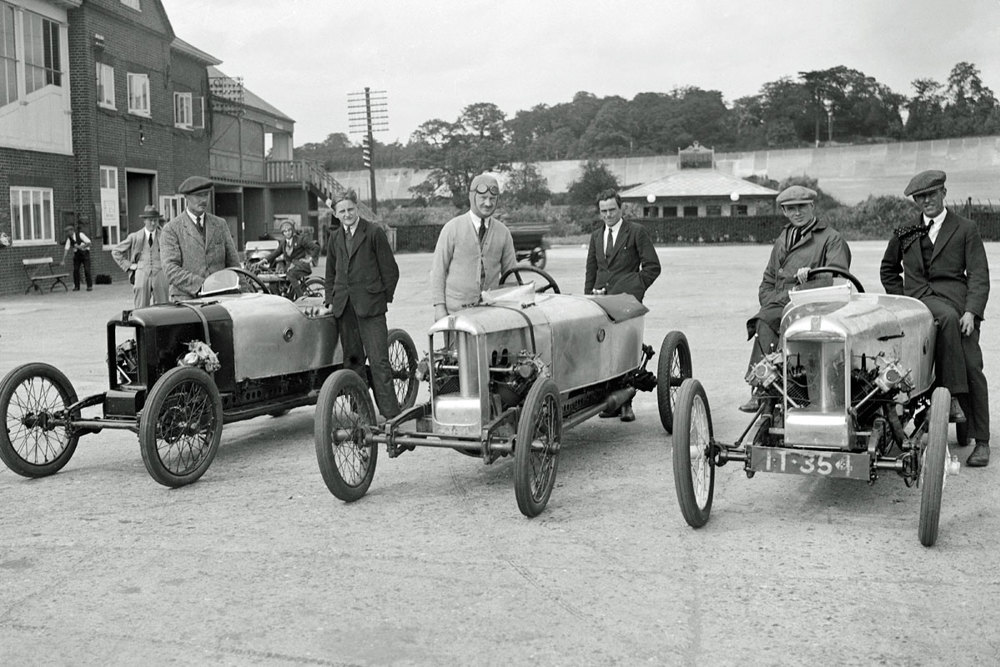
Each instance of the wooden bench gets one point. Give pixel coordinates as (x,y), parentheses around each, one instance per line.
(39,270)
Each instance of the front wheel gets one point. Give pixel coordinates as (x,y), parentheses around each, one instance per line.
(933,469)
(694,470)
(673,367)
(345,417)
(536,450)
(403,364)
(35,437)
(181,426)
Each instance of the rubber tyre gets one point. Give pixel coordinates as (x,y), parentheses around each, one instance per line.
(673,367)
(694,471)
(40,448)
(538,258)
(933,469)
(536,449)
(314,286)
(403,364)
(345,405)
(180,426)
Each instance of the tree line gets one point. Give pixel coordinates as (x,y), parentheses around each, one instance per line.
(839,105)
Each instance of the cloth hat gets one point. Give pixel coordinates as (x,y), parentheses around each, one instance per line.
(193,184)
(286,223)
(925,181)
(797,194)
(150,212)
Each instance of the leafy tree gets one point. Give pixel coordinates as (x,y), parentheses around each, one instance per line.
(526,186)
(971,107)
(926,119)
(594,177)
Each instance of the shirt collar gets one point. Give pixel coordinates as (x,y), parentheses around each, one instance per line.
(615,228)
(193,217)
(476,220)
(937,220)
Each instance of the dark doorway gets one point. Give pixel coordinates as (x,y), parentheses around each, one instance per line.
(141,191)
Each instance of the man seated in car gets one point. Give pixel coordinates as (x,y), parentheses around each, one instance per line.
(804,243)
(298,252)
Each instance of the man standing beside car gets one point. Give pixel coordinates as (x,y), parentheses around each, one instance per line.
(195,244)
(139,256)
(804,243)
(472,251)
(361,278)
(941,261)
(621,259)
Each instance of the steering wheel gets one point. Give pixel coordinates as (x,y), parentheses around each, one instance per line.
(249,282)
(516,272)
(843,273)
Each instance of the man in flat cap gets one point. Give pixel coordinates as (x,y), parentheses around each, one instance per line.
(940,259)
(472,251)
(804,243)
(196,243)
(139,256)
(621,259)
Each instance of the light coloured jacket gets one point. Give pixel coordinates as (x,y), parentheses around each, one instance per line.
(455,271)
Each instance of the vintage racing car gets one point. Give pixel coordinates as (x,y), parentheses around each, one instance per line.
(178,372)
(274,277)
(850,394)
(506,378)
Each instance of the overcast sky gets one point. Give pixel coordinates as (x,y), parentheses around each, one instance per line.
(435,57)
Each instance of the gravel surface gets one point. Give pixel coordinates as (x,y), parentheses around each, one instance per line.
(257,563)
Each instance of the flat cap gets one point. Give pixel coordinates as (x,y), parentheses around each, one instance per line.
(925,181)
(796,194)
(149,212)
(194,184)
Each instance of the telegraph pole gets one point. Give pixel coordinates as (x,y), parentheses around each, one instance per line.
(367,113)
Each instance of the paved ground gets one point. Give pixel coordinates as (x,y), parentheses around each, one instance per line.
(258,564)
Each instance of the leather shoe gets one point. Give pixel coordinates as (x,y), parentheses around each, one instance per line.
(980,456)
(955,413)
(627,414)
(608,414)
(751,405)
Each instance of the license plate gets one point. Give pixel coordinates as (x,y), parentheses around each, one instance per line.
(821,464)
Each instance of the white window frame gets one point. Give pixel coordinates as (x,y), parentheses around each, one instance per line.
(138,94)
(171,206)
(183,111)
(32,216)
(132,4)
(105,85)
(110,215)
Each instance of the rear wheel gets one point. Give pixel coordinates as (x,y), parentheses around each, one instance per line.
(181,426)
(536,450)
(538,258)
(694,471)
(403,364)
(35,439)
(313,286)
(933,468)
(345,417)
(673,367)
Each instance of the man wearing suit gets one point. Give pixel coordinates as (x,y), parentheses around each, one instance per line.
(79,243)
(472,251)
(621,259)
(804,243)
(195,244)
(139,255)
(361,277)
(941,261)
(298,252)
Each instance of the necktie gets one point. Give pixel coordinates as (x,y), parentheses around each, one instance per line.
(932,231)
(611,244)
(150,237)
(201,222)
(482,231)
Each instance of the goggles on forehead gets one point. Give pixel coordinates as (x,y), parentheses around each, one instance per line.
(484,189)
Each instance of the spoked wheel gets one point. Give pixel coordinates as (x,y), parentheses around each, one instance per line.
(313,286)
(403,364)
(932,468)
(35,439)
(345,416)
(536,450)
(673,367)
(550,282)
(180,426)
(694,471)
